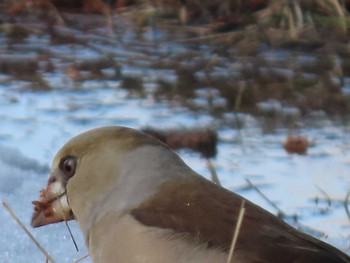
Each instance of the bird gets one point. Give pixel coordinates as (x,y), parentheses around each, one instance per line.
(136,201)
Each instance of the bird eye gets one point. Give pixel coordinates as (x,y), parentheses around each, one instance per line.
(68,165)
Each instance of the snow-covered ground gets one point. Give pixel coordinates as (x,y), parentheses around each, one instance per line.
(34,125)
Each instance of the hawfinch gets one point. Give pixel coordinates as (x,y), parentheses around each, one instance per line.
(136,201)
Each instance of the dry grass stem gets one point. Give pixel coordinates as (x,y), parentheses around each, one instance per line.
(48,257)
(291,27)
(299,15)
(237,108)
(81,259)
(216,37)
(69,230)
(328,198)
(214,175)
(71,235)
(280,212)
(346,204)
(339,10)
(236,232)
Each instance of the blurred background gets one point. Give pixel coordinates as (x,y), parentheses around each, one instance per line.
(254,95)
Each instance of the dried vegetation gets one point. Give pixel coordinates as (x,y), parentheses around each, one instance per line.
(237,53)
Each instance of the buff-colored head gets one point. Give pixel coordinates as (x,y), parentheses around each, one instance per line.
(109,167)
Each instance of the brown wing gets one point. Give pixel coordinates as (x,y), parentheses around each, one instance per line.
(208,213)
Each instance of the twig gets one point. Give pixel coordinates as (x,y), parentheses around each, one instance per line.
(237,229)
(27,232)
(280,212)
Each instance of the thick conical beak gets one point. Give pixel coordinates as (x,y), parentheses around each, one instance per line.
(52,206)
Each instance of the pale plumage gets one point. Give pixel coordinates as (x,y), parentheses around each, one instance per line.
(136,201)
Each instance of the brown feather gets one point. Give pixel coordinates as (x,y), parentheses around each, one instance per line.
(206,214)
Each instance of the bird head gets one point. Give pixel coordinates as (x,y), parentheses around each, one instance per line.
(104,167)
